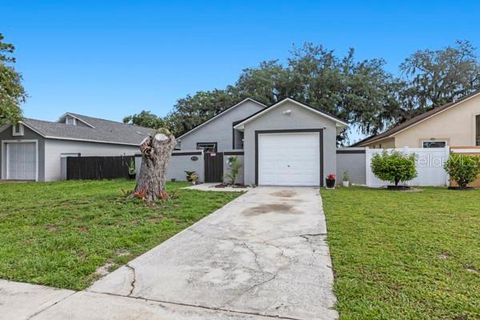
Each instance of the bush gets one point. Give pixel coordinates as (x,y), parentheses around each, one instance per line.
(462,168)
(394,167)
(235,166)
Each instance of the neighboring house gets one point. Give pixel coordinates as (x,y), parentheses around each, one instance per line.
(453,124)
(33,149)
(288,143)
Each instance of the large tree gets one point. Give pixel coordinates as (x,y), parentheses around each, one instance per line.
(12,93)
(360,92)
(437,77)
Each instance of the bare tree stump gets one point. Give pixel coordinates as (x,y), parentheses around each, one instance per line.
(156,152)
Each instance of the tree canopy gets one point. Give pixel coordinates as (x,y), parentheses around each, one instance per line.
(12,93)
(362,92)
(145,119)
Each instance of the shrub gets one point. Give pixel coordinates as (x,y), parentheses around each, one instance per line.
(235,166)
(462,168)
(394,166)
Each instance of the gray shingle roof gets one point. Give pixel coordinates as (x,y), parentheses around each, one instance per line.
(105,131)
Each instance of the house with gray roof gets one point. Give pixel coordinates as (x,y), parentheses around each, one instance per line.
(34,149)
(288,143)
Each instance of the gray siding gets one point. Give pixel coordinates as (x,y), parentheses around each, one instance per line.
(180,163)
(220,130)
(55,149)
(299,118)
(28,135)
(352,160)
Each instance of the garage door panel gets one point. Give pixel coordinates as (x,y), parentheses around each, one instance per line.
(21,161)
(289,159)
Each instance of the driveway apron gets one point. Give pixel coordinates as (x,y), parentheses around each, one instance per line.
(263,254)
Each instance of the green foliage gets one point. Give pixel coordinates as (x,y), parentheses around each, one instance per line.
(345,176)
(437,77)
(463,168)
(405,255)
(394,166)
(145,119)
(12,93)
(361,92)
(131,167)
(235,166)
(63,231)
(191,176)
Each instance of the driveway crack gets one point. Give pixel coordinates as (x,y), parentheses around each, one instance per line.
(134,280)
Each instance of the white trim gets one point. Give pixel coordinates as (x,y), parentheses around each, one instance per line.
(4,152)
(339,123)
(20,132)
(93,141)
(220,114)
(464,150)
(474,128)
(75,117)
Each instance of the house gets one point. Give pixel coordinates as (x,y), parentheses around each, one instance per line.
(287,143)
(453,124)
(33,149)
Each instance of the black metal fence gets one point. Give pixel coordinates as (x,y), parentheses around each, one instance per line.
(97,168)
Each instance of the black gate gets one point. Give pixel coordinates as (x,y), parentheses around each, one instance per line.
(213,167)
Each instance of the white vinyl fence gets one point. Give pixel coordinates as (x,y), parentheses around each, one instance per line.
(429,163)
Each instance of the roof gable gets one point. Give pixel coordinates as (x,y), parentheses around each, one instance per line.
(221,114)
(339,123)
(392,132)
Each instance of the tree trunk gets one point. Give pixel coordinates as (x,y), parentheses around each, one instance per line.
(156,151)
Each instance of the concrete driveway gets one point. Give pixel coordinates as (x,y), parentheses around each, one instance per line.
(262,256)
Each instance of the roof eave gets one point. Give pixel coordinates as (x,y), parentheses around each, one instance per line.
(338,122)
(219,115)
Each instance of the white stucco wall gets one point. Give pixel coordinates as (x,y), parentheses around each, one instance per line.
(55,148)
(298,118)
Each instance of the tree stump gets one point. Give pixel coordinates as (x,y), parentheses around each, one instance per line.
(156,152)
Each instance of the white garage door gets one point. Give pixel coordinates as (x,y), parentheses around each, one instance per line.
(289,159)
(21,161)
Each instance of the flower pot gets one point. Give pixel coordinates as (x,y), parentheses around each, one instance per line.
(132,175)
(346,184)
(330,183)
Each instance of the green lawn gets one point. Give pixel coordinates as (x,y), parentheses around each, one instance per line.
(405,255)
(59,233)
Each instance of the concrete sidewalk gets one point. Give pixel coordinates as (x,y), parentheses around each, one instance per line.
(262,256)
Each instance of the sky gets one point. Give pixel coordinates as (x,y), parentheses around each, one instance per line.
(110,59)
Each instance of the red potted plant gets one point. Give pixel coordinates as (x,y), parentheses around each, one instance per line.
(330,181)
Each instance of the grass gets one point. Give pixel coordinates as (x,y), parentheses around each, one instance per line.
(405,255)
(59,233)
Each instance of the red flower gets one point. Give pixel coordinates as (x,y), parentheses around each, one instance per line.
(331,176)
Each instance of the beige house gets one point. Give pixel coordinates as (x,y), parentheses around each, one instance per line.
(453,124)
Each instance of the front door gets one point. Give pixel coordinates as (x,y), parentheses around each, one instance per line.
(213,166)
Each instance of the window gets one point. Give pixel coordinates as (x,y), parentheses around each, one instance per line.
(70,120)
(207,146)
(434,144)
(17,130)
(477,130)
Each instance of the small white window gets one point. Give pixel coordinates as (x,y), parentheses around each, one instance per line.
(71,121)
(17,130)
(434,144)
